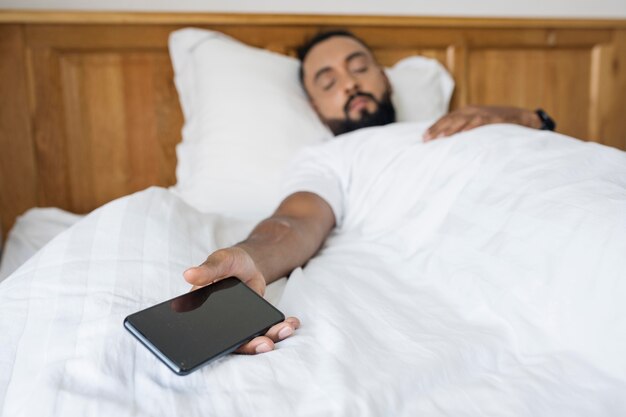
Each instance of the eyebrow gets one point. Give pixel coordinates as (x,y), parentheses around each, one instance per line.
(354,55)
(349,58)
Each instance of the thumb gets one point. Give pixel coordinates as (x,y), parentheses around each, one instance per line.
(217,266)
(257,285)
(198,276)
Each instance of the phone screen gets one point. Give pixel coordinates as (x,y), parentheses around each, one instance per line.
(192,329)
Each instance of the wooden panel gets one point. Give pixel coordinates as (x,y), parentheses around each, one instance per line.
(613,95)
(122,124)
(536,37)
(557,80)
(608,93)
(48,129)
(17,156)
(456,58)
(87,37)
(106,118)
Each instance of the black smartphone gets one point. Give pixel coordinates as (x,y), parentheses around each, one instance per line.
(196,328)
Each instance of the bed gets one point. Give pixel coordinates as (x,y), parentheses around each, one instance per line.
(501,296)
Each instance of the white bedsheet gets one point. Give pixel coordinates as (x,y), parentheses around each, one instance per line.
(509,304)
(32,230)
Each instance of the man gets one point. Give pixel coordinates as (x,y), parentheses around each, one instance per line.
(349,90)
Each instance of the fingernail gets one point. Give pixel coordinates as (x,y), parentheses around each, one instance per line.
(285,332)
(262,348)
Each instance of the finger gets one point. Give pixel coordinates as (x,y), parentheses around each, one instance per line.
(428,135)
(442,126)
(448,125)
(283,330)
(454,127)
(294,322)
(276,333)
(217,266)
(259,344)
(257,285)
(435,129)
(474,123)
(199,276)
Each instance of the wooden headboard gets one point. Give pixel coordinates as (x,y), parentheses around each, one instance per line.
(89,111)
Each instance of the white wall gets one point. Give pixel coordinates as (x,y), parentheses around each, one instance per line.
(589,9)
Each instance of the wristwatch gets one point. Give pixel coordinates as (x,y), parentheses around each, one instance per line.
(547,122)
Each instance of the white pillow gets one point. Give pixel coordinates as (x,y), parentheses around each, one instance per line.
(422,89)
(246,115)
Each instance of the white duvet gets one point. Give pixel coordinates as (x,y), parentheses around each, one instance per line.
(486,275)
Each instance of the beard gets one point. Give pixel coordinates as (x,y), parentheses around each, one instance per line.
(384,114)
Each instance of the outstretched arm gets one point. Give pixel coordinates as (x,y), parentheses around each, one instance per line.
(276,246)
(473,116)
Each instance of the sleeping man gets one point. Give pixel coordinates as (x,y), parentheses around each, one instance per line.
(349,91)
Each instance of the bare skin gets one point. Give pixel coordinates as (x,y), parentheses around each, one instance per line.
(334,70)
(473,116)
(337,68)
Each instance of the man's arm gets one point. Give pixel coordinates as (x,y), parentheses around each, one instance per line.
(276,246)
(473,116)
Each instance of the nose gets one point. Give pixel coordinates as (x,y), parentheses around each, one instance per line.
(350,84)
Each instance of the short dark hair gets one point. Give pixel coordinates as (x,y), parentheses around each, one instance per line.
(304,49)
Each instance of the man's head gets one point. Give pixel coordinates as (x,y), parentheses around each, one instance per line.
(346,86)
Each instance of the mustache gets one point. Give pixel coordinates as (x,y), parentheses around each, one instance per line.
(384,114)
(346,108)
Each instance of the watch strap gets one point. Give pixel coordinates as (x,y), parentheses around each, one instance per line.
(547,122)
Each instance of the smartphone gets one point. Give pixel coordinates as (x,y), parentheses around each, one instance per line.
(196,328)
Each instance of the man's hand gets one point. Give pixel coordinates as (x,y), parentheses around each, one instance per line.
(473,116)
(237,262)
(277,245)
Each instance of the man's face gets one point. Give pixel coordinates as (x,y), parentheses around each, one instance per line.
(346,86)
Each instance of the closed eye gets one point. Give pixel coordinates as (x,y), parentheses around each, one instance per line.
(358,63)
(329,85)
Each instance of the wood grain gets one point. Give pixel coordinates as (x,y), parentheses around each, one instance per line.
(268,19)
(122,121)
(18,168)
(607,124)
(556,80)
